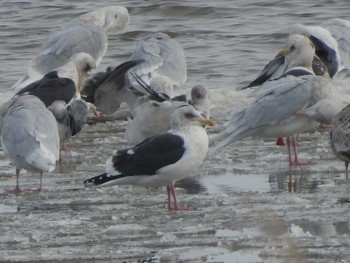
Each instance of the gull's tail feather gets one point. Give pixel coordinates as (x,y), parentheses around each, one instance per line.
(224,138)
(235,130)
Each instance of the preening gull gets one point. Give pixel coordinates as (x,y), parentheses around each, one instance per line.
(152,113)
(88,33)
(48,89)
(326,47)
(108,89)
(162,56)
(70,118)
(282,108)
(29,137)
(340,137)
(298,52)
(163,159)
(326,57)
(162,84)
(76,69)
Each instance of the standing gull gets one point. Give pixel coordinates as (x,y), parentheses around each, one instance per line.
(163,159)
(88,33)
(284,107)
(298,52)
(162,56)
(340,137)
(29,137)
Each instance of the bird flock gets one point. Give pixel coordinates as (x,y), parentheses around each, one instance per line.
(294,93)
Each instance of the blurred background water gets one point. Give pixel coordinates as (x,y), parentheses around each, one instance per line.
(252,207)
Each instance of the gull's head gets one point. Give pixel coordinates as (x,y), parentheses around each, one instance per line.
(116,18)
(58,109)
(299,51)
(110,18)
(84,62)
(199,92)
(187,115)
(162,84)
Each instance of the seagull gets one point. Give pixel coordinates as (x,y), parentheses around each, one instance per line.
(77,69)
(87,33)
(296,53)
(162,159)
(70,118)
(29,137)
(200,100)
(48,89)
(326,47)
(326,59)
(289,105)
(108,89)
(340,137)
(299,52)
(162,84)
(51,88)
(162,56)
(152,112)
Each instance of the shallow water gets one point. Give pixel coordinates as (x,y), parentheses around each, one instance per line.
(251,206)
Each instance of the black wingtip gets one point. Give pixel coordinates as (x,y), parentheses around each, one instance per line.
(154,95)
(96,180)
(101,179)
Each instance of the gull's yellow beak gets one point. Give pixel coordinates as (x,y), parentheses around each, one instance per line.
(282,53)
(206,122)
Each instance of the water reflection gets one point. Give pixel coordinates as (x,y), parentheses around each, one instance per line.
(294,181)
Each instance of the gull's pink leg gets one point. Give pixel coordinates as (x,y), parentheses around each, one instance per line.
(68,148)
(289,151)
(172,203)
(41,182)
(17,189)
(347,170)
(292,140)
(40,188)
(98,113)
(280,142)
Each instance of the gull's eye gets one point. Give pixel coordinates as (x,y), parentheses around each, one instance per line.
(116,16)
(292,47)
(189,115)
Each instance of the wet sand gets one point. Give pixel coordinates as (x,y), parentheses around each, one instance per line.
(250,207)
